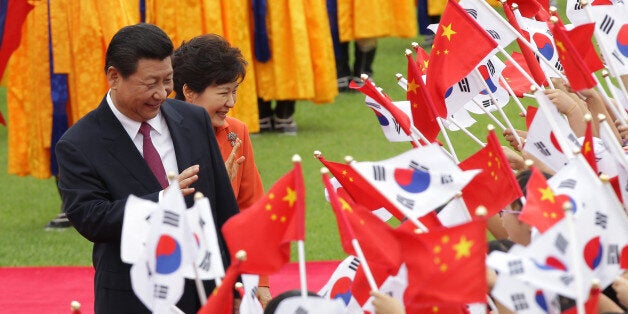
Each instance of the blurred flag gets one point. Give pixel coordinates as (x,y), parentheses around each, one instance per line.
(518,83)
(459,46)
(491,70)
(423,110)
(543,40)
(542,141)
(496,186)
(369,89)
(577,71)
(587,150)
(612,25)
(523,298)
(394,286)
(416,181)
(220,301)
(265,229)
(529,59)
(157,274)
(435,257)
(492,23)
(338,287)
(250,304)
(360,190)
(538,9)
(577,16)
(208,257)
(391,128)
(543,208)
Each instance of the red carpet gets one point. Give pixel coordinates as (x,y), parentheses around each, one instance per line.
(40,290)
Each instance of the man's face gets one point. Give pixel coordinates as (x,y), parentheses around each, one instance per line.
(140,95)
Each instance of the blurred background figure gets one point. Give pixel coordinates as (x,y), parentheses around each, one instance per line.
(354,21)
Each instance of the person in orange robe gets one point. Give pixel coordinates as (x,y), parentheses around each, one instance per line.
(207,72)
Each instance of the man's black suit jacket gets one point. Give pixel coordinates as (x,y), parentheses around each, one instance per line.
(99,167)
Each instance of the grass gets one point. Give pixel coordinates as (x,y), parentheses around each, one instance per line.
(346,127)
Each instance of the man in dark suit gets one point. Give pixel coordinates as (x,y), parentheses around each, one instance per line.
(101,160)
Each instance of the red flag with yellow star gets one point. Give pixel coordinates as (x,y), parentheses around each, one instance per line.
(459,45)
(577,71)
(587,149)
(375,238)
(265,229)
(358,188)
(445,266)
(542,208)
(496,186)
(423,111)
(221,299)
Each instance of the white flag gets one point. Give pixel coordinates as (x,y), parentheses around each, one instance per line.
(493,25)
(523,298)
(418,180)
(338,287)
(208,257)
(543,142)
(250,304)
(542,39)
(391,128)
(135,227)
(394,286)
(157,275)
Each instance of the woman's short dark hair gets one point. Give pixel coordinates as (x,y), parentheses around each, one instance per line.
(204,61)
(135,42)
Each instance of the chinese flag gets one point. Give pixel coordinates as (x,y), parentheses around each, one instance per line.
(445,266)
(532,8)
(221,299)
(533,66)
(542,208)
(587,149)
(265,229)
(518,83)
(369,89)
(576,70)
(496,186)
(358,188)
(459,46)
(376,239)
(423,111)
(580,37)
(421,59)
(591,306)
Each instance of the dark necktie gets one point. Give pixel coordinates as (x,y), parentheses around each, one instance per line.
(152,156)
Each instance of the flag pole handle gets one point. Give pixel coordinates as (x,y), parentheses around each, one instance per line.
(202,295)
(512,94)
(302,271)
(489,114)
(364,263)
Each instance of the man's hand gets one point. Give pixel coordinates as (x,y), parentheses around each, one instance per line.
(186,178)
(233,162)
(386,304)
(513,141)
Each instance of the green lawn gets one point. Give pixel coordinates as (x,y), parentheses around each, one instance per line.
(346,127)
